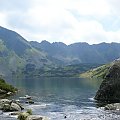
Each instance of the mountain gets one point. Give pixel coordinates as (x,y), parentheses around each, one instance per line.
(79,52)
(17,54)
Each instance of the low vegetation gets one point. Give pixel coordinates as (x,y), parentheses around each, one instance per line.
(98,72)
(6,87)
(66,71)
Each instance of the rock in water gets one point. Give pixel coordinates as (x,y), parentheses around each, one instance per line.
(6,108)
(114,106)
(36,117)
(3,102)
(15,107)
(109,90)
(23,115)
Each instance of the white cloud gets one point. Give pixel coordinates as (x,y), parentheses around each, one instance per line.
(55,20)
(3,20)
(91,7)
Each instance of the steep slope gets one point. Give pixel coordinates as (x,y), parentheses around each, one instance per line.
(80,52)
(109,90)
(16,54)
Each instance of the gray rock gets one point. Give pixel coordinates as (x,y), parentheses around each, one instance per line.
(23,115)
(10,105)
(5,101)
(6,107)
(30,102)
(2,91)
(15,107)
(9,93)
(36,117)
(14,113)
(114,106)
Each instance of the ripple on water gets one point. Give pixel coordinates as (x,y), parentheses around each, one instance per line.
(72,112)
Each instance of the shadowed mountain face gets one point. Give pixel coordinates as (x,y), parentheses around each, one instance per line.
(14,41)
(17,54)
(80,52)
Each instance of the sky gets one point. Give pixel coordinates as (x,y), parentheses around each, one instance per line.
(67,21)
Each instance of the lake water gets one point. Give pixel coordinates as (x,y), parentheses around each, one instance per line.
(60,97)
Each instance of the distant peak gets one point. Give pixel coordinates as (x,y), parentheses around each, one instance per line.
(45,41)
(59,43)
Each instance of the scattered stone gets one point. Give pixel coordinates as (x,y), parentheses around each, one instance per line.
(2,91)
(5,101)
(65,117)
(23,115)
(6,108)
(9,93)
(14,113)
(36,117)
(113,106)
(10,105)
(28,97)
(30,102)
(15,107)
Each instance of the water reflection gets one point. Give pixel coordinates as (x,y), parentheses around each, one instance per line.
(58,89)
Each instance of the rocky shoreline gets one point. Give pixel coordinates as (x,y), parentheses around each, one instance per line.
(15,108)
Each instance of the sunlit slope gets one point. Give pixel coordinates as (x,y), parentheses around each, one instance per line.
(98,72)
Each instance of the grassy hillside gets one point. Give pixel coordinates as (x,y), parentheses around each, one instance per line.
(65,71)
(4,87)
(98,72)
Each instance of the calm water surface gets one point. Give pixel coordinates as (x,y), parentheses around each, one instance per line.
(60,97)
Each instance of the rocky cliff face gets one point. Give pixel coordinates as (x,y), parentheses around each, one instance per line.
(109,90)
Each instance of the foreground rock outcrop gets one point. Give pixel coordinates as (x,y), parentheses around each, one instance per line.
(28,116)
(109,90)
(10,105)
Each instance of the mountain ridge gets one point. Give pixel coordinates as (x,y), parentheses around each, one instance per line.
(80,52)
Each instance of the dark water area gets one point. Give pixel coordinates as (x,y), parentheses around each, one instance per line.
(60,97)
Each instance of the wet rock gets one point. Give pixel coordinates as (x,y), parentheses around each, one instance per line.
(14,113)
(5,101)
(30,102)
(15,107)
(18,103)
(6,108)
(10,105)
(23,115)
(2,91)
(114,106)
(9,93)
(36,117)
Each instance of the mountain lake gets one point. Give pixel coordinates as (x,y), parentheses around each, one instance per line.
(61,98)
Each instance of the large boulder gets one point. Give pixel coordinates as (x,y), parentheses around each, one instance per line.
(36,117)
(6,108)
(109,90)
(15,107)
(3,102)
(10,105)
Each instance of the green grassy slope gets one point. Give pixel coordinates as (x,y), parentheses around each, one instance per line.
(98,72)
